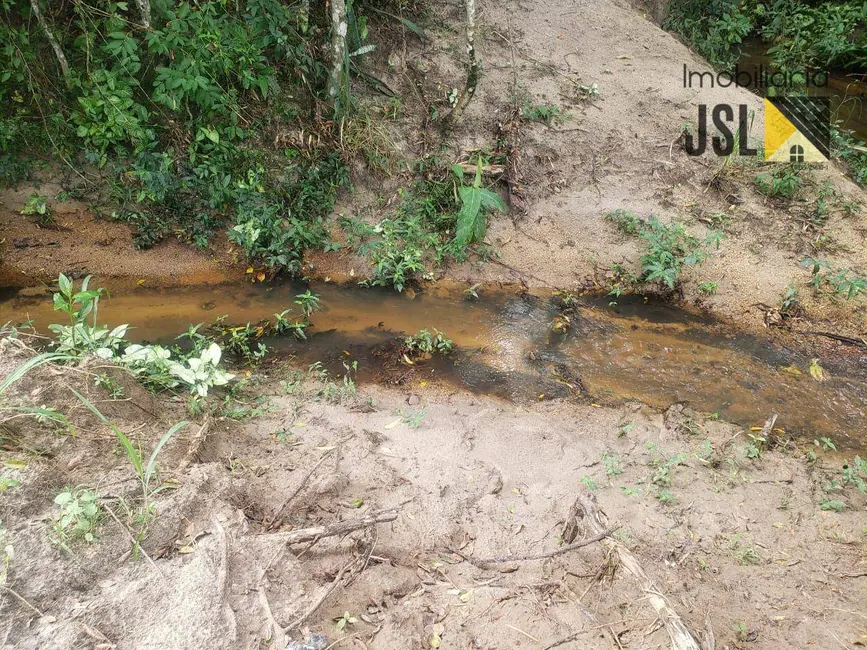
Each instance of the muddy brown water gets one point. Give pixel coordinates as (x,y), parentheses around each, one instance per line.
(638,350)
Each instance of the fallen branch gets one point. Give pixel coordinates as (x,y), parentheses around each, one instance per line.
(298,621)
(11,591)
(340,528)
(288,500)
(837,337)
(195,445)
(681,637)
(768,426)
(135,543)
(482,562)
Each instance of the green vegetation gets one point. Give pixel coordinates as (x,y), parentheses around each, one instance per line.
(146,472)
(79,515)
(36,206)
(801,34)
(438,218)
(544,113)
(420,228)
(783,181)
(177,119)
(843,282)
(668,248)
(612,464)
(426,343)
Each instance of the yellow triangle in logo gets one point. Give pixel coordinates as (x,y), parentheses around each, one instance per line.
(778,130)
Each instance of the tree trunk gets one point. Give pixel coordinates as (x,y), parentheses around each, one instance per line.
(61,57)
(339,28)
(144,8)
(472,70)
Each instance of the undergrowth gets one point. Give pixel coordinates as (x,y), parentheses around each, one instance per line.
(668,248)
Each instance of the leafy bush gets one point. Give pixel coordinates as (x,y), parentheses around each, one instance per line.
(437,220)
(79,515)
(275,230)
(425,342)
(476,201)
(716,28)
(669,248)
(173,114)
(783,181)
(803,34)
(843,281)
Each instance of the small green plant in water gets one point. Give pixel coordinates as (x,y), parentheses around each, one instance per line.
(425,342)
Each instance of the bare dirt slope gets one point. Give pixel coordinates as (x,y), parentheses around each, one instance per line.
(621,148)
(79,243)
(740,543)
(622,151)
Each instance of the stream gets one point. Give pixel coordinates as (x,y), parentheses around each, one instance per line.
(639,350)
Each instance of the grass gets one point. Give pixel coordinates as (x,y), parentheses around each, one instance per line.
(745,554)
(146,471)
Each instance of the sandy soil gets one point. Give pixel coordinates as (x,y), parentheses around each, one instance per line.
(743,545)
(79,244)
(621,150)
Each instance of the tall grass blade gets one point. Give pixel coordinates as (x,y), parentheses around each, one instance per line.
(152,461)
(30,364)
(132,453)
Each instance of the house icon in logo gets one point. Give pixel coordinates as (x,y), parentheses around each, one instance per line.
(798,129)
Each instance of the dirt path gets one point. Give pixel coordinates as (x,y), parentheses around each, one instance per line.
(742,543)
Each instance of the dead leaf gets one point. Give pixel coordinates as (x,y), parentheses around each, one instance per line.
(816,371)
(792,370)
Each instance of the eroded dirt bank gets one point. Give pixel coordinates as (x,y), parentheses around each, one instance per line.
(740,542)
(618,147)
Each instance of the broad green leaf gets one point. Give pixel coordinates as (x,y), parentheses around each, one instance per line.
(466,225)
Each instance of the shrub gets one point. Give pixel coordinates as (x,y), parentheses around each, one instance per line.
(669,248)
